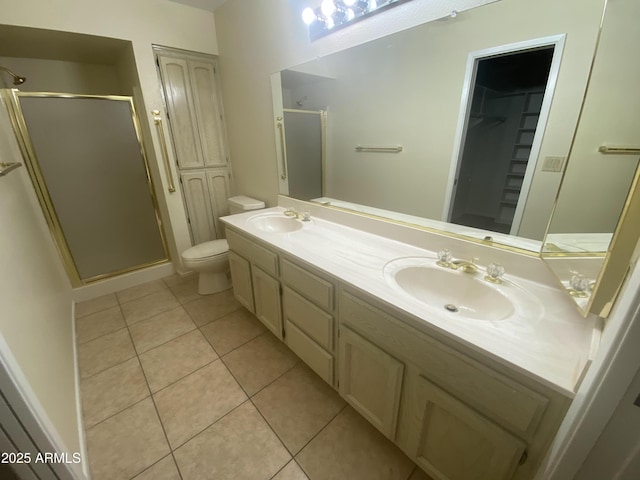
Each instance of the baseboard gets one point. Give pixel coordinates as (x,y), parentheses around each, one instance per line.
(76,366)
(112,285)
(28,409)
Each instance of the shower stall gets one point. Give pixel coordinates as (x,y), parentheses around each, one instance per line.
(88,166)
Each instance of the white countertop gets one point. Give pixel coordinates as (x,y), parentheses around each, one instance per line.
(552,348)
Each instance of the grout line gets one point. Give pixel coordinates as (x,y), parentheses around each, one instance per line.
(117,413)
(215,319)
(82,379)
(150,466)
(184,376)
(138,352)
(153,400)
(208,426)
(97,311)
(163,286)
(272,431)
(163,312)
(320,431)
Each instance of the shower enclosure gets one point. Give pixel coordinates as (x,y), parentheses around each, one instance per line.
(88,167)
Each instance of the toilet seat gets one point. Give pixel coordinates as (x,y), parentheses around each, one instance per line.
(206,250)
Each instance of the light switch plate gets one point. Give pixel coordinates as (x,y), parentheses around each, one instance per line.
(553,163)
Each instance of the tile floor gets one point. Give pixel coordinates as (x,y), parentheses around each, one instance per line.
(175,385)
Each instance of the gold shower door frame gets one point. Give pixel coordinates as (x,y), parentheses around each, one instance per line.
(11,99)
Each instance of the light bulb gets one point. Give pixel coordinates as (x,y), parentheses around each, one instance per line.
(330,23)
(350,14)
(328,8)
(349,3)
(308,16)
(373,4)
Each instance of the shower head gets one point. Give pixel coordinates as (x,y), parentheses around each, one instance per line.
(17,79)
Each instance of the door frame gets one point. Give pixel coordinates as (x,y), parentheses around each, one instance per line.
(557,41)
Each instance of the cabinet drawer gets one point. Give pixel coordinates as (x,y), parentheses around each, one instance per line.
(316,289)
(316,323)
(511,404)
(260,256)
(310,352)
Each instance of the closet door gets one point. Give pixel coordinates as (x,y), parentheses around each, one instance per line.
(183,117)
(219,190)
(208,112)
(196,196)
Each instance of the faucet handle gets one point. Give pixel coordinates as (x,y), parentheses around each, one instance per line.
(444,258)
(494,273)
(290,212)
(578,285)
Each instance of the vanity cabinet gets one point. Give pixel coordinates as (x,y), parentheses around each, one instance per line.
(294,301)
(456,412)
(457,417)
(266,297)
(308,310)
(254,274)
(370,380)
(451,440)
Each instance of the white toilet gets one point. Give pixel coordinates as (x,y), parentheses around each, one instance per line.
(210,259)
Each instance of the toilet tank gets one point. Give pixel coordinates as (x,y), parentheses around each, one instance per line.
(240,203)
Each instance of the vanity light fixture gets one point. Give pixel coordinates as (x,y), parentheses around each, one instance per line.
(333,15)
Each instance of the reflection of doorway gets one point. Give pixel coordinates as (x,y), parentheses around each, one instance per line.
(510,91)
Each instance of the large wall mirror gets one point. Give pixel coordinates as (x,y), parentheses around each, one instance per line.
(465,125)
(600,179)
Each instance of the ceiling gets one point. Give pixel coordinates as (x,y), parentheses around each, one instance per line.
(209,5)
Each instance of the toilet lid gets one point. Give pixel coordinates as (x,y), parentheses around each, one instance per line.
(206,249)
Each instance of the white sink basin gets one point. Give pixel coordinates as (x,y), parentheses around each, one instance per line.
(460,294)
(275,223)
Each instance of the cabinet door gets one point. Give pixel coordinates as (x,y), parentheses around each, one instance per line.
(451,441)
(241,280)
(208,112)
(218,182)
(196,196)
(370,380)
(266,294)
(182,114)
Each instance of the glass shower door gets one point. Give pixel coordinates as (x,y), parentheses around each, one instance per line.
(89,168)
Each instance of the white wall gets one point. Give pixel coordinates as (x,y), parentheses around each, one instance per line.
(36,317)
(143,23)
(62,76)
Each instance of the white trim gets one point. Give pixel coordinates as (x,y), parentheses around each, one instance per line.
(557,41)
(29,410)
(76,369)
(278,113)
(120,282)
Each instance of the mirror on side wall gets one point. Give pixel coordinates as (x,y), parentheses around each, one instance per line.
(602,169)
